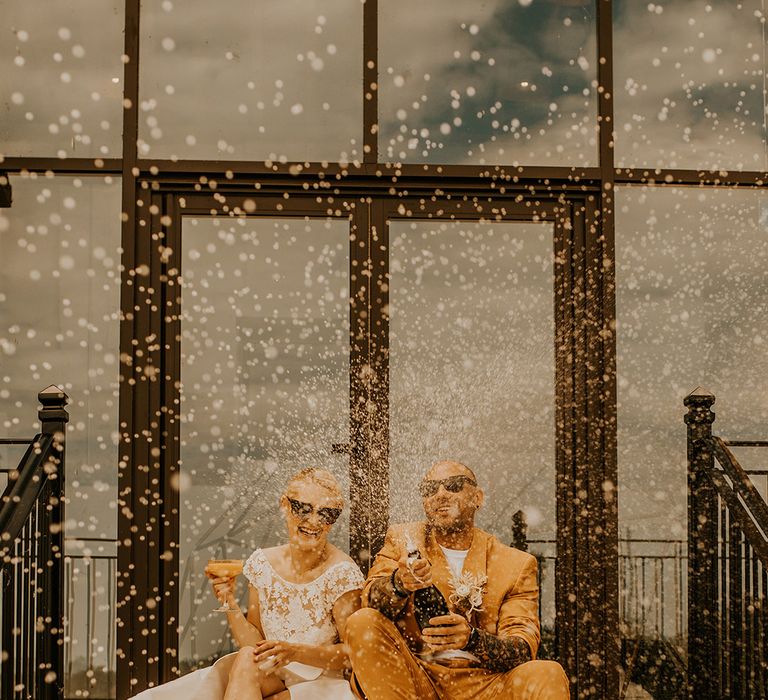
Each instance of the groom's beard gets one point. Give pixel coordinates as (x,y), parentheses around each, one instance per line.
(451,528)
(450,518)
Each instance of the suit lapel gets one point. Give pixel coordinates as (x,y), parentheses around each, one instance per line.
(441,573)
(475,563)
(477,558)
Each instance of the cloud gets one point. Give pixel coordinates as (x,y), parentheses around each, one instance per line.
(689,85)
(493,82)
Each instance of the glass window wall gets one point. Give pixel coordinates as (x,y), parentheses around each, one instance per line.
(265,392)
(501,81)
(472,374)
(692,310)
(273,80)
(61,78)
(59,324)
(472,365)
(690,84)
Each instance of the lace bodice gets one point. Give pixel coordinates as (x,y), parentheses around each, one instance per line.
(300,612)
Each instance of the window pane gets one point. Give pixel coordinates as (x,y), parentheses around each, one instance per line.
(61,78)
(265,372)
(692,311)
(471,365)
(689,84)
(472,374)
(500,81)
(276,79)
(59,324)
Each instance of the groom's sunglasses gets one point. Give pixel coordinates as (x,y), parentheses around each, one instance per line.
(303,510)
(454,484)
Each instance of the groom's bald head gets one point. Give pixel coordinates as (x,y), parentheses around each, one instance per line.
(448,467)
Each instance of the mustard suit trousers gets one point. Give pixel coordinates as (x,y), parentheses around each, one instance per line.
(384,668)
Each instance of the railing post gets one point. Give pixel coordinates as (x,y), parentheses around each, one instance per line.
(704,676)
(53,421)
(520,531)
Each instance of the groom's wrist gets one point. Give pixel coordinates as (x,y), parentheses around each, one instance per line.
(474,637)
(400,592)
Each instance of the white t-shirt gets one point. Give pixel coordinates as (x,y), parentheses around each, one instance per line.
(455,559)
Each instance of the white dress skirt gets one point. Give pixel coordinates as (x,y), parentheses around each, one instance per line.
(301,613)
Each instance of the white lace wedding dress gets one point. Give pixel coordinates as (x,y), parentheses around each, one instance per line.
(291,612)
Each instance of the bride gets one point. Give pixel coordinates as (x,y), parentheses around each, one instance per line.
(300,595)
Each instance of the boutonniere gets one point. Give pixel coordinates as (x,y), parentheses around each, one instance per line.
(468,592)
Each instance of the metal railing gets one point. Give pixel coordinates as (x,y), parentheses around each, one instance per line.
(31,561)
(652,592)
(727,617)
(652,606)
(90,642)
(652,595)
(728,565)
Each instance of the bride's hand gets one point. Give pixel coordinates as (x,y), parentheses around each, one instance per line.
(274,653)
(224,590)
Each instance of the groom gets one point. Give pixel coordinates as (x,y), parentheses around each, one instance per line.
(489,651)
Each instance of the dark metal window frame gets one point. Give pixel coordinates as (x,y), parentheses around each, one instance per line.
(580,199)
(149,451)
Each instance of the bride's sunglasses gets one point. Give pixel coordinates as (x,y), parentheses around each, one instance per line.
(454,484)
(303,511)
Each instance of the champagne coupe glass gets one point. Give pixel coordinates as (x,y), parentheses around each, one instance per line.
(224,568)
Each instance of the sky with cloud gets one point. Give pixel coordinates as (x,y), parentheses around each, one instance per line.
(495,81)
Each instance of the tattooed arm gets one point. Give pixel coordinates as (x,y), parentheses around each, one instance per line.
(497,654)
(384,597)
(392,578)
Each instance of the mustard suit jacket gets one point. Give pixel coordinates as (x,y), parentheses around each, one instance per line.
(511,594)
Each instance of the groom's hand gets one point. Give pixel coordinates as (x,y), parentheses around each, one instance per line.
(417,575)
(447,632)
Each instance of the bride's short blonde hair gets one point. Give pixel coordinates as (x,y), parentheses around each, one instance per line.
(321,477)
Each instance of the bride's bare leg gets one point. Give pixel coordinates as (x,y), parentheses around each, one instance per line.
(244,677)
(247,682)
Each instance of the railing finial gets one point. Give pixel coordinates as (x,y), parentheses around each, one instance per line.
(520,531)
(699,402)
(53,415)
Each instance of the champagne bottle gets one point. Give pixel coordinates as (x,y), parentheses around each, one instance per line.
(427,602)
